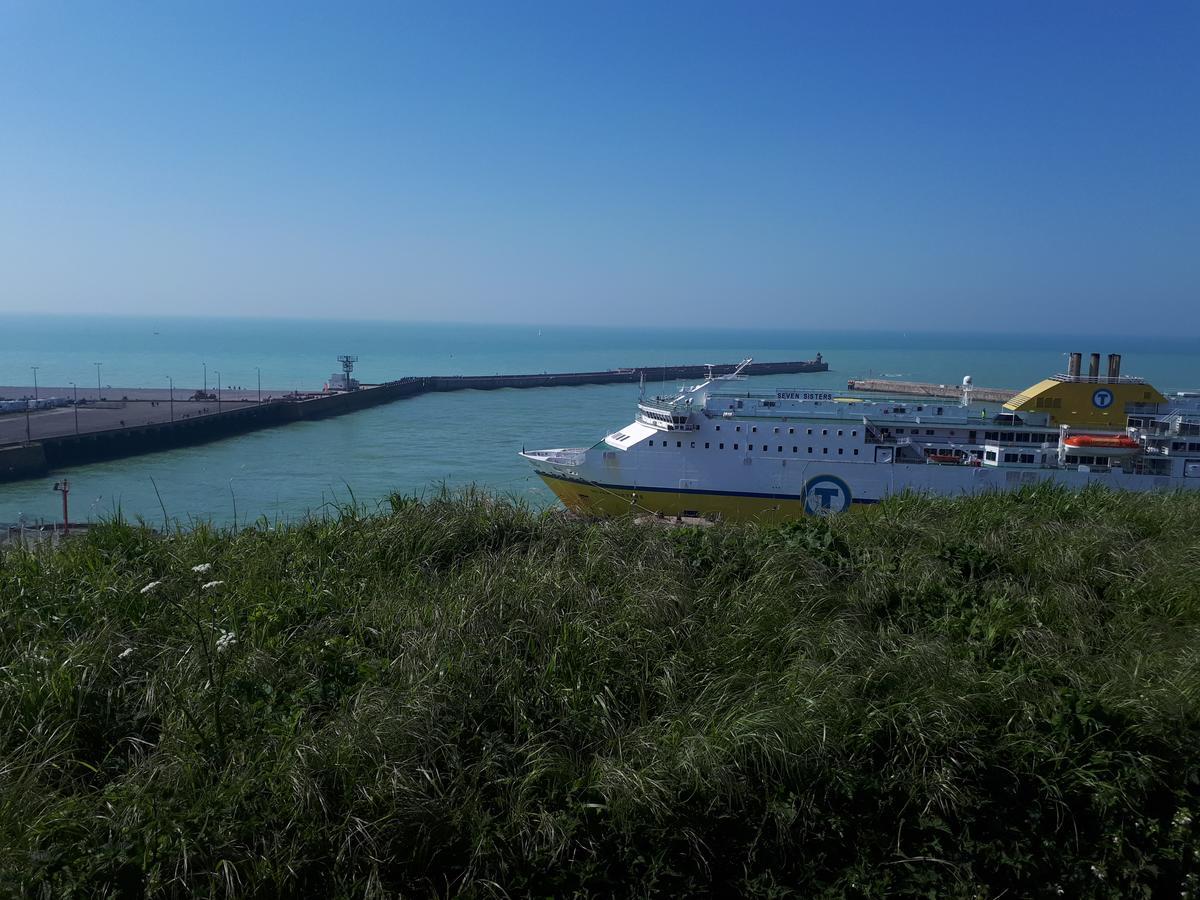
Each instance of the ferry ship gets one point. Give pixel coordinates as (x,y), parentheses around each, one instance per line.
(715,450)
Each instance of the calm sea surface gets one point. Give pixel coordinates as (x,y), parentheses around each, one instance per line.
(458,438)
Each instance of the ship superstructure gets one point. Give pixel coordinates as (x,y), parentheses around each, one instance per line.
(719,450)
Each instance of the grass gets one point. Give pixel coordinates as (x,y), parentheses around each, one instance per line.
(464,697)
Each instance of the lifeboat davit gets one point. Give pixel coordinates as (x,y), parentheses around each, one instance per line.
(1110,444)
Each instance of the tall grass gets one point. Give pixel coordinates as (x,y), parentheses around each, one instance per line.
(462,696)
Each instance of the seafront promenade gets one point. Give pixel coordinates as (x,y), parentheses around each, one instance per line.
(116,422)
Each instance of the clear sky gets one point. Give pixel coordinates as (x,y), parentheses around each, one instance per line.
(923,165)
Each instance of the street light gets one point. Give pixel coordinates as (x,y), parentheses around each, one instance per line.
(75,390)
(98,365)
(35,368)
(218,374)
(205,378)
(259,371)
(172,381)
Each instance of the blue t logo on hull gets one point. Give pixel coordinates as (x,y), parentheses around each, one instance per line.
(825,494)
(1102,399)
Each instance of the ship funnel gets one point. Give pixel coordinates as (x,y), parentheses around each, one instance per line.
(1073,366)
(1114,365)
(1094,366)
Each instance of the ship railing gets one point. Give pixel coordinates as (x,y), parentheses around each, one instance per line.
(1097,379)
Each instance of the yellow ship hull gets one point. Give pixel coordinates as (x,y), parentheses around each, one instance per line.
(595,500)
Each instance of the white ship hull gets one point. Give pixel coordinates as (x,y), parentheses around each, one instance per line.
(764,456)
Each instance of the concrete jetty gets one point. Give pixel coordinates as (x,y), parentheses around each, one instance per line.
(922,389)
(127,422)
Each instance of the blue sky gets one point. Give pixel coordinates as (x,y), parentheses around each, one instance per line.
(1011,166)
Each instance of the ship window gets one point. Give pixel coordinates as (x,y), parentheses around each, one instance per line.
(899,431)
(1102,460)
(824,431)
(856,451)
(854,433)
(776,431)
(939,410)
(718,428)
(951,433)
(810,431)
(1072,458)
(1026,457)
(754,428)
(693,445)
(825,450)
(810,449)
(795,449)
(929,431)
(779,449)
(920,409)
(739,404)
(991,455)
(706,445)
(839,432)
(791,431)
(679,443)
(1010,457)
(720,446)
(737,428)
(735,446)
(839,451)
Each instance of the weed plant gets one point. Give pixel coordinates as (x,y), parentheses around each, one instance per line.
(929,697)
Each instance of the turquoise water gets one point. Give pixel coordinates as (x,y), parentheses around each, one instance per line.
(454,438)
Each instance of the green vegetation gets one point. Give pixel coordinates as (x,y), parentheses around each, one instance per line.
(461,696)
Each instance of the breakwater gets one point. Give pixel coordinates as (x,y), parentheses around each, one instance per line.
(31,459)
(921,389)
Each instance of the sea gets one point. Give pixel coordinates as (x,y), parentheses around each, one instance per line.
(451,440)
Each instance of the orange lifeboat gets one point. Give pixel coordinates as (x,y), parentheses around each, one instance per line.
(944,459)
(1110,444)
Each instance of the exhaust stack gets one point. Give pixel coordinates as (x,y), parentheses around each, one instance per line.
(1094,366)
(1114,365)
(1073,365)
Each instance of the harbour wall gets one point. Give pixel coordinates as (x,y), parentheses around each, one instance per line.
(19,461)
(921,389)
(22,461)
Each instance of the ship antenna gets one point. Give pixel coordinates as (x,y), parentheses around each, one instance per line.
(966,390)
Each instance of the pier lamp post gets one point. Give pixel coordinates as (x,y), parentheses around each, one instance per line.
(98,365)
(259,371)
(172,383)
(75,391)
(218,374)
(205,376)
(35,368)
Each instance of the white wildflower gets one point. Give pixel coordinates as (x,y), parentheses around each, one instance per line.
(211,584)
(125,653)
(151,586)
(202,568)
(226,640)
